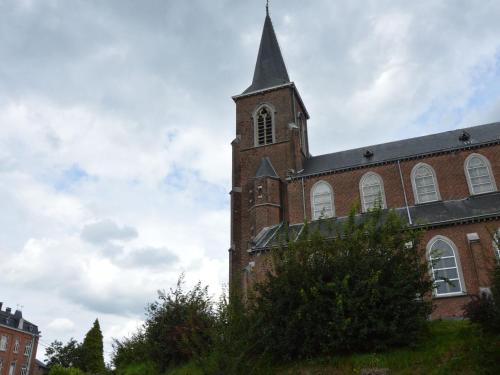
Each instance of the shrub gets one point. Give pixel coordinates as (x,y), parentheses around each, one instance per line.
(485,308)
(59,370)
(359,289)
(178,328)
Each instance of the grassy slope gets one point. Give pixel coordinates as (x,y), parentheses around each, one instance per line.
(450,347)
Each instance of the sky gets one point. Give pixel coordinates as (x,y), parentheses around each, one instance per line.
(116,120)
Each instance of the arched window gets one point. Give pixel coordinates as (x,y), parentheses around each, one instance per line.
(479,176)
(322,200)
(264,125)
(445,266)
(371,188)
(424,183)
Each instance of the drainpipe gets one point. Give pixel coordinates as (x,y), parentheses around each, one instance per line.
(303,200)
(404,193)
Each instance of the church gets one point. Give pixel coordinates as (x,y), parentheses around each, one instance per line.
(445,183)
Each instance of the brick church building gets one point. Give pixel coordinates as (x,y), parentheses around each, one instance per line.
(445,183)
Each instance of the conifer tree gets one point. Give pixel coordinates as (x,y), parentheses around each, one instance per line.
(92,351)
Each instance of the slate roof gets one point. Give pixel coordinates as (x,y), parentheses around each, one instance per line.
(474,208)
(13,320)
(266,169)
(270,69)
(404,149)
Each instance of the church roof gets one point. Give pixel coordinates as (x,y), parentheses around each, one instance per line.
(472,209)
(270,69)
(404,149)
(266,169)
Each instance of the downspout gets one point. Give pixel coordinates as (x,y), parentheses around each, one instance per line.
(404,193)
(303,200)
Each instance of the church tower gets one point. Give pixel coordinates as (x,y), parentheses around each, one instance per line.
(270,144)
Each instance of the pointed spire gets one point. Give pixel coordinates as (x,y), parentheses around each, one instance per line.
(270,69)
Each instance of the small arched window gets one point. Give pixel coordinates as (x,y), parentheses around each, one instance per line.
(445,267)
(479,176)
(264,126)
(424,183)
(322,200)
(371,188)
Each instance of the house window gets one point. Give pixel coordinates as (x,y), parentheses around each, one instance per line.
(322,201)
(12,368)
(3,343)
(445,268)
(264,119)
(1,366)
(27,349)
(372,193)
(479,176)
(424,184)
(16,345)
(24,370)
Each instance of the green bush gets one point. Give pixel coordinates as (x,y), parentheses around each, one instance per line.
(178,328)
(59,370)
(485,308)
(359,289)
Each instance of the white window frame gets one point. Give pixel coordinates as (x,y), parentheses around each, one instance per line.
(488,167)
(383,203)
(458,265)
(496,247)
(314,216)
(27,348)
(24,370)
(414,183)
(255,117)
(16,345)
(4,340)
(12,368)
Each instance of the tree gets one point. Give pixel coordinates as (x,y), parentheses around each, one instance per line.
(63,355)
(92,357)
(179,324)
(360,285)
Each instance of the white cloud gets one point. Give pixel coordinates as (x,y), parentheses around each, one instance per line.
(116,122)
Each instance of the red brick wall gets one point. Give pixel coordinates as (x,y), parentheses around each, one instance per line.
(9,356)
(449,170)
(251,213)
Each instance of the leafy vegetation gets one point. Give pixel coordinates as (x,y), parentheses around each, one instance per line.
(74,358)
(360,290)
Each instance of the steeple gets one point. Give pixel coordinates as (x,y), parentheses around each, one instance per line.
(270,69)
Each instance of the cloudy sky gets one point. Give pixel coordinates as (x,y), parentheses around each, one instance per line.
(116,121)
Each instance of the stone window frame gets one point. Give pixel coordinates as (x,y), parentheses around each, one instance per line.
(382,190)
(458,266)
(414,183)
(255,118)
(495,243)
(488,167)
(28,348)
(332,200)
(4,342)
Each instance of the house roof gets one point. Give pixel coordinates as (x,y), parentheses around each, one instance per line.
(266,169)
(15,320)
(474,208)
(270,69)
(403,149)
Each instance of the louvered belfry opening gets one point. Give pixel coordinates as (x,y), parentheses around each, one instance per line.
(264,127)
